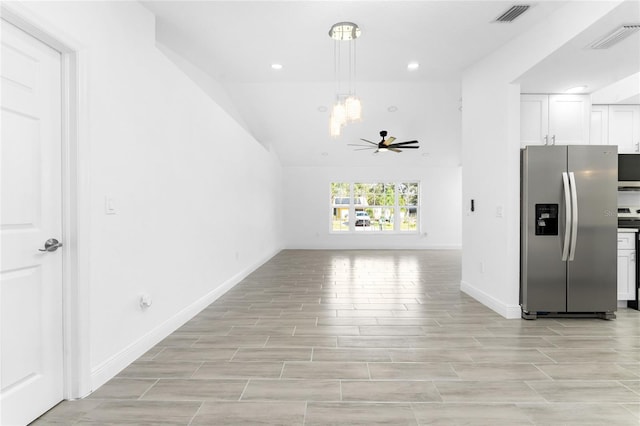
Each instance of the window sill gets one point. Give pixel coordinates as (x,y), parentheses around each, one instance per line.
(373,233)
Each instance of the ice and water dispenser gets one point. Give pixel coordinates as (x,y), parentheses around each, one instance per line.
(546,219)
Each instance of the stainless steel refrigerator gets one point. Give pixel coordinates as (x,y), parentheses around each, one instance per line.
(568,255)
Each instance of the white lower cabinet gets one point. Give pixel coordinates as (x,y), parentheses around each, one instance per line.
(626,265)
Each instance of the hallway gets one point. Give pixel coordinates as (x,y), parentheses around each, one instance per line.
(319,337)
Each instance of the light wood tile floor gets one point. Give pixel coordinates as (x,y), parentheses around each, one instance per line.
(319,337)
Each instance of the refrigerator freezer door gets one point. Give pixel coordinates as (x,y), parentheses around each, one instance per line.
(543,272)
(591,276)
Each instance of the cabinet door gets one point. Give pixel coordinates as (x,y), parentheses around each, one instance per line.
(626,274)
(624,127)
(569,119)
(534,119)
(599,132)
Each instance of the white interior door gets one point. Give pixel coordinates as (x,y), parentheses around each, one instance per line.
(31,375)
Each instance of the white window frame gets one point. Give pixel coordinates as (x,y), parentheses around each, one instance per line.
(397,221)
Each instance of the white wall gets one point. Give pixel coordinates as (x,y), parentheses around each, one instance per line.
(307,213)
(198,199)
(490,155)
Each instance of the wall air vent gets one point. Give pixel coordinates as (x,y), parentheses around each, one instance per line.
(511,14)
(614,37)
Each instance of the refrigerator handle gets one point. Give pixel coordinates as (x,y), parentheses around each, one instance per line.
(567,217)
(574,216)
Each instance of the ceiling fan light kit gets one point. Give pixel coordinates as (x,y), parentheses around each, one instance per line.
(348,107)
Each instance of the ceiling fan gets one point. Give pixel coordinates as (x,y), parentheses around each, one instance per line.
(386,144)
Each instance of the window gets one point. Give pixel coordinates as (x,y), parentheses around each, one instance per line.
(379,207)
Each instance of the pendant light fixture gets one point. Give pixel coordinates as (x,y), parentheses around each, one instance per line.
(347,107)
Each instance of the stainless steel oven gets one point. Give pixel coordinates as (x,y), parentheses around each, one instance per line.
(629,217)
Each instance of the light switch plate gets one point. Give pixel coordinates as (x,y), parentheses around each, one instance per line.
(109,206)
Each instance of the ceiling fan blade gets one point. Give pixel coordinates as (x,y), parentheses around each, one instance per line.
(404,147)
(394,149)
(405,143)
(363,149)
(359,144)
(388,141)
(366,140)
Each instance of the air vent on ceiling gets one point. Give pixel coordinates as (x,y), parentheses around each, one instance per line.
(614,37)
(512,13)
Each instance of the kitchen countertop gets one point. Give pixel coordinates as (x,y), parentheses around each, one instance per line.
(627,229)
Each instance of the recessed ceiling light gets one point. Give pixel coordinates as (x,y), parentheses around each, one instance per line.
(322,108)
(276,66)
(325,154)
(392,108)
(412,66)
(577,89)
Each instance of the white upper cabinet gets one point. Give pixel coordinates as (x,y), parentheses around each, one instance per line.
(534,120)
(555,119)
(569,119)
(616,125)
(599,133)
(624,127)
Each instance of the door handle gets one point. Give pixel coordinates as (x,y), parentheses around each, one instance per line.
(51,245)
(574,216)
(567,217)
(546,139)
(553,140)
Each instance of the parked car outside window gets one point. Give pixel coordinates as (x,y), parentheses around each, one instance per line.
(362,219)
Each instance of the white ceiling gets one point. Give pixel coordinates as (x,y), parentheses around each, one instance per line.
(236,42)
(575,65)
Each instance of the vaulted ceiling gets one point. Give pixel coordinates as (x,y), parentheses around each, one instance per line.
(235,43)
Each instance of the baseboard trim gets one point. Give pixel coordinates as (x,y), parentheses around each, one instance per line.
(369,247)
(507,311)
(114,365)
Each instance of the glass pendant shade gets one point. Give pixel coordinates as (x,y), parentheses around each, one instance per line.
(353,108)
(348,107)
(339,114)
(334,128)
(338,119)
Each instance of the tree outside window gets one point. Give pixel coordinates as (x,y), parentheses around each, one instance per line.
(408,201)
